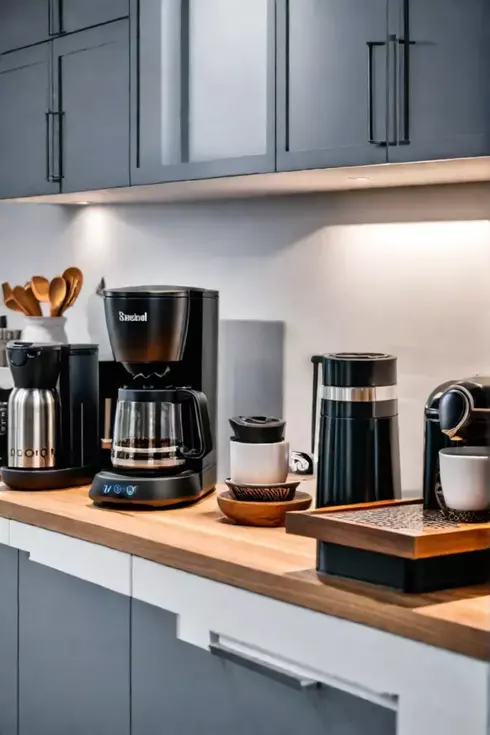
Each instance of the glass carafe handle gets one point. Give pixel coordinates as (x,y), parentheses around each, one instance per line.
(200,405)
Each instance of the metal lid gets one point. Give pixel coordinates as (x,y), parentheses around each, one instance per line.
(359,369)
(158,292)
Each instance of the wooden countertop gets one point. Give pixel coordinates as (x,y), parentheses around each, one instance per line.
(266,561)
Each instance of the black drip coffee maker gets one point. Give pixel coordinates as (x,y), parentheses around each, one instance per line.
(457,413)
(163,437)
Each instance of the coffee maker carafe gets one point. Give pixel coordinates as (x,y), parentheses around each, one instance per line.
(457,413)
(163,446)
(53,416)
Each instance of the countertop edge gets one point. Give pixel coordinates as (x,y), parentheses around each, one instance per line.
(399,621)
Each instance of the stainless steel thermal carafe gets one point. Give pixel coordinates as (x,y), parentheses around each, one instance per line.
(33,415)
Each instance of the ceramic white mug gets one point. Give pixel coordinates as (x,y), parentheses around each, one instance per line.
(259,464)
(465,478)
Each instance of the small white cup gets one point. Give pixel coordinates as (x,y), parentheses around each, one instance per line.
(259,464)
(465,477)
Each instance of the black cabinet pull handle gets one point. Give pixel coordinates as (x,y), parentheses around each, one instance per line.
(371,137)
(53,178)
(272,672)
(55,17)
(405,42)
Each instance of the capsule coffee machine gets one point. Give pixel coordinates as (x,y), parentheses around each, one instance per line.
(457,412)
(163,433)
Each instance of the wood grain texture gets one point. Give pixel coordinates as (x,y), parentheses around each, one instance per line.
(397,527)
(270,514)
(262,560)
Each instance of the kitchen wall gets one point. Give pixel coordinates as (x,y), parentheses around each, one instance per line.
(403,271)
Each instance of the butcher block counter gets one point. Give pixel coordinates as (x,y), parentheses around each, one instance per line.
(269,562)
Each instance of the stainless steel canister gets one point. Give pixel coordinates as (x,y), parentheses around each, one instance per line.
(32,424)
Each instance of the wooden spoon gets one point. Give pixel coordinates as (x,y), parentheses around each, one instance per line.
(57,294)
(40,288)
(9,299)
(33,303)
(74,278)
(20,296)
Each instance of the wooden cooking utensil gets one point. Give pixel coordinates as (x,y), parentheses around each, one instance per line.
(40,288)
(57,294)
(31,300)
(20,296)
(74,278)
(9,299)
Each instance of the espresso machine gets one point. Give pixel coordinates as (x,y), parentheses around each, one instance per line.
(53,416)
(457,412)
(163,431)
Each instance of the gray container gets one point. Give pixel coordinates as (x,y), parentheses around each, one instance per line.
(32,423)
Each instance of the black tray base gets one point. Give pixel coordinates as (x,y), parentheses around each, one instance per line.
(52,479)
(406,575)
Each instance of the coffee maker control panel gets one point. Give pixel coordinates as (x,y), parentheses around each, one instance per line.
(120,490)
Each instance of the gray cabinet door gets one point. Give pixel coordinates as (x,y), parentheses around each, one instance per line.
(331,72)
(91,95)
(9,576)
(78,14)
(441,60)
(73,655)
(25,146)
(202,88)
(178,689)
(24,22)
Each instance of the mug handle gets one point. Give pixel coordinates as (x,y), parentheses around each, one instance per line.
(200,406)
(440,495)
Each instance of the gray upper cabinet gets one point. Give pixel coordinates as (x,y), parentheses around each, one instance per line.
(24,22)
(440,51)
(202,88)
(332,83)
(91,100)
(9,576)
(77,14)
(74,642)
(26,128)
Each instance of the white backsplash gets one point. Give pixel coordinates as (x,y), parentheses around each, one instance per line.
(402,271)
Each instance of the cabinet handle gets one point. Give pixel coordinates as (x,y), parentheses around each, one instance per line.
(55,17)
(184,79)
(271,672)
(371,139)
(405,42)
(51,115)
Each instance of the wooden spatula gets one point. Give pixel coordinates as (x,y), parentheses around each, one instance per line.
(20,296)
(31,300)
(40,288)
(57,294)
(9,299)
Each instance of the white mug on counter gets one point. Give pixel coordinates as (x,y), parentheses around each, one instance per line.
(465,478)
(259,464)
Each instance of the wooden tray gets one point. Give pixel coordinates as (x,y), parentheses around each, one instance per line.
(393,527)
(396,543)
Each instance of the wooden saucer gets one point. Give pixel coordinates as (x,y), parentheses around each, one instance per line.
(250,513)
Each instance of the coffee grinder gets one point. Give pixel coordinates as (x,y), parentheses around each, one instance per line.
(457,413)
(163,433)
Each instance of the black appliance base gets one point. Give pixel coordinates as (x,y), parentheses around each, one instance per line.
(145,491)
(407,575)
(52,479)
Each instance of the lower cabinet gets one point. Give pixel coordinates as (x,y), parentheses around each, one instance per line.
(178,689)
(74,643)
(9,576)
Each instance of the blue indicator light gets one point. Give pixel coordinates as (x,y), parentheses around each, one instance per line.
(131,490)
(107,489)
(117,489)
